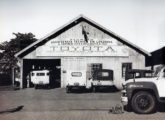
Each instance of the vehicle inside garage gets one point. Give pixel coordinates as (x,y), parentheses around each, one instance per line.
(53,65)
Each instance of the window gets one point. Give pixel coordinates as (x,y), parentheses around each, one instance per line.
(148,75)
(103,74)
(40,74)
(32,74)
(92,67)
(47,74)
(137,75)
(125,67)
(96,66)
(76,74)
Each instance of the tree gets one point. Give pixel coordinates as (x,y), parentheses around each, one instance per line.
(12,47)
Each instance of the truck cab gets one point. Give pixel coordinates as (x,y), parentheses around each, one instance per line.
(102,78)
(141,94)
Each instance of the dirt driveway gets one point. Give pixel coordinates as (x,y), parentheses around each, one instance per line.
(56,104)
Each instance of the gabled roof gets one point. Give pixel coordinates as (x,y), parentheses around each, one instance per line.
(157,58)
(72,23)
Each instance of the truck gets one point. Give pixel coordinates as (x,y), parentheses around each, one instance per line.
(77,79)
(40,78)
(143,90)
(102,78)
(83,79)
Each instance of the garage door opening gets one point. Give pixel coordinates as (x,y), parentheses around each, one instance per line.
(53,65)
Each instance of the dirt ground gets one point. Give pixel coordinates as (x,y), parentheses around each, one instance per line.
(43,104)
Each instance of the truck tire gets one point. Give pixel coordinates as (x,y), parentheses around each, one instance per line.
(143,102)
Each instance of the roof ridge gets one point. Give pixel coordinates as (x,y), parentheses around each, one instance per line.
(74,20)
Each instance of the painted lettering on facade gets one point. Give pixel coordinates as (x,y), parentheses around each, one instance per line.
(79,47)
(81,42)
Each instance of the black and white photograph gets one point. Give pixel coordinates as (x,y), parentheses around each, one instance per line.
(82,59)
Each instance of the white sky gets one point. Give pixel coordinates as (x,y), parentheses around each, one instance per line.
(141,22)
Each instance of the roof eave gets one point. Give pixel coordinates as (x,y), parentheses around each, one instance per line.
(74,20)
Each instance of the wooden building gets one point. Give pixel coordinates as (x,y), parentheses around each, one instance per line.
(81,44)
(157,59)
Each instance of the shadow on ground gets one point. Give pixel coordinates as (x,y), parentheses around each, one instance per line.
(100,90)
(161,107)
(12,110)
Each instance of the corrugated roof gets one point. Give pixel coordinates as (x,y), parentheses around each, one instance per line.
(71,24)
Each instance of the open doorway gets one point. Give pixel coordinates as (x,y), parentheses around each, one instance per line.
(53,65)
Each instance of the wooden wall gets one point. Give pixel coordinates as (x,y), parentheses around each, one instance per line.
(80,62)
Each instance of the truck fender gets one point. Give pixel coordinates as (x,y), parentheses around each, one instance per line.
(141,86)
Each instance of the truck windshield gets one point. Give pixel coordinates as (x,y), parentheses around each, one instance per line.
(103,75)
(158,70)
(139,74)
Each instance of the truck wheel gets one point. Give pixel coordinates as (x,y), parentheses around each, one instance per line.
(143,102)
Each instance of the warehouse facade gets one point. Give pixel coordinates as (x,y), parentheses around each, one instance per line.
(81,44)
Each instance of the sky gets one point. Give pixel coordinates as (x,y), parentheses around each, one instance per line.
(141,22)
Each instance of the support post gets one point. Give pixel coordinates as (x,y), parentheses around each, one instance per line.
(21,73)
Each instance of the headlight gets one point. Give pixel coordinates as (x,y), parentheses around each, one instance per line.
(123,93)
(124,86)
